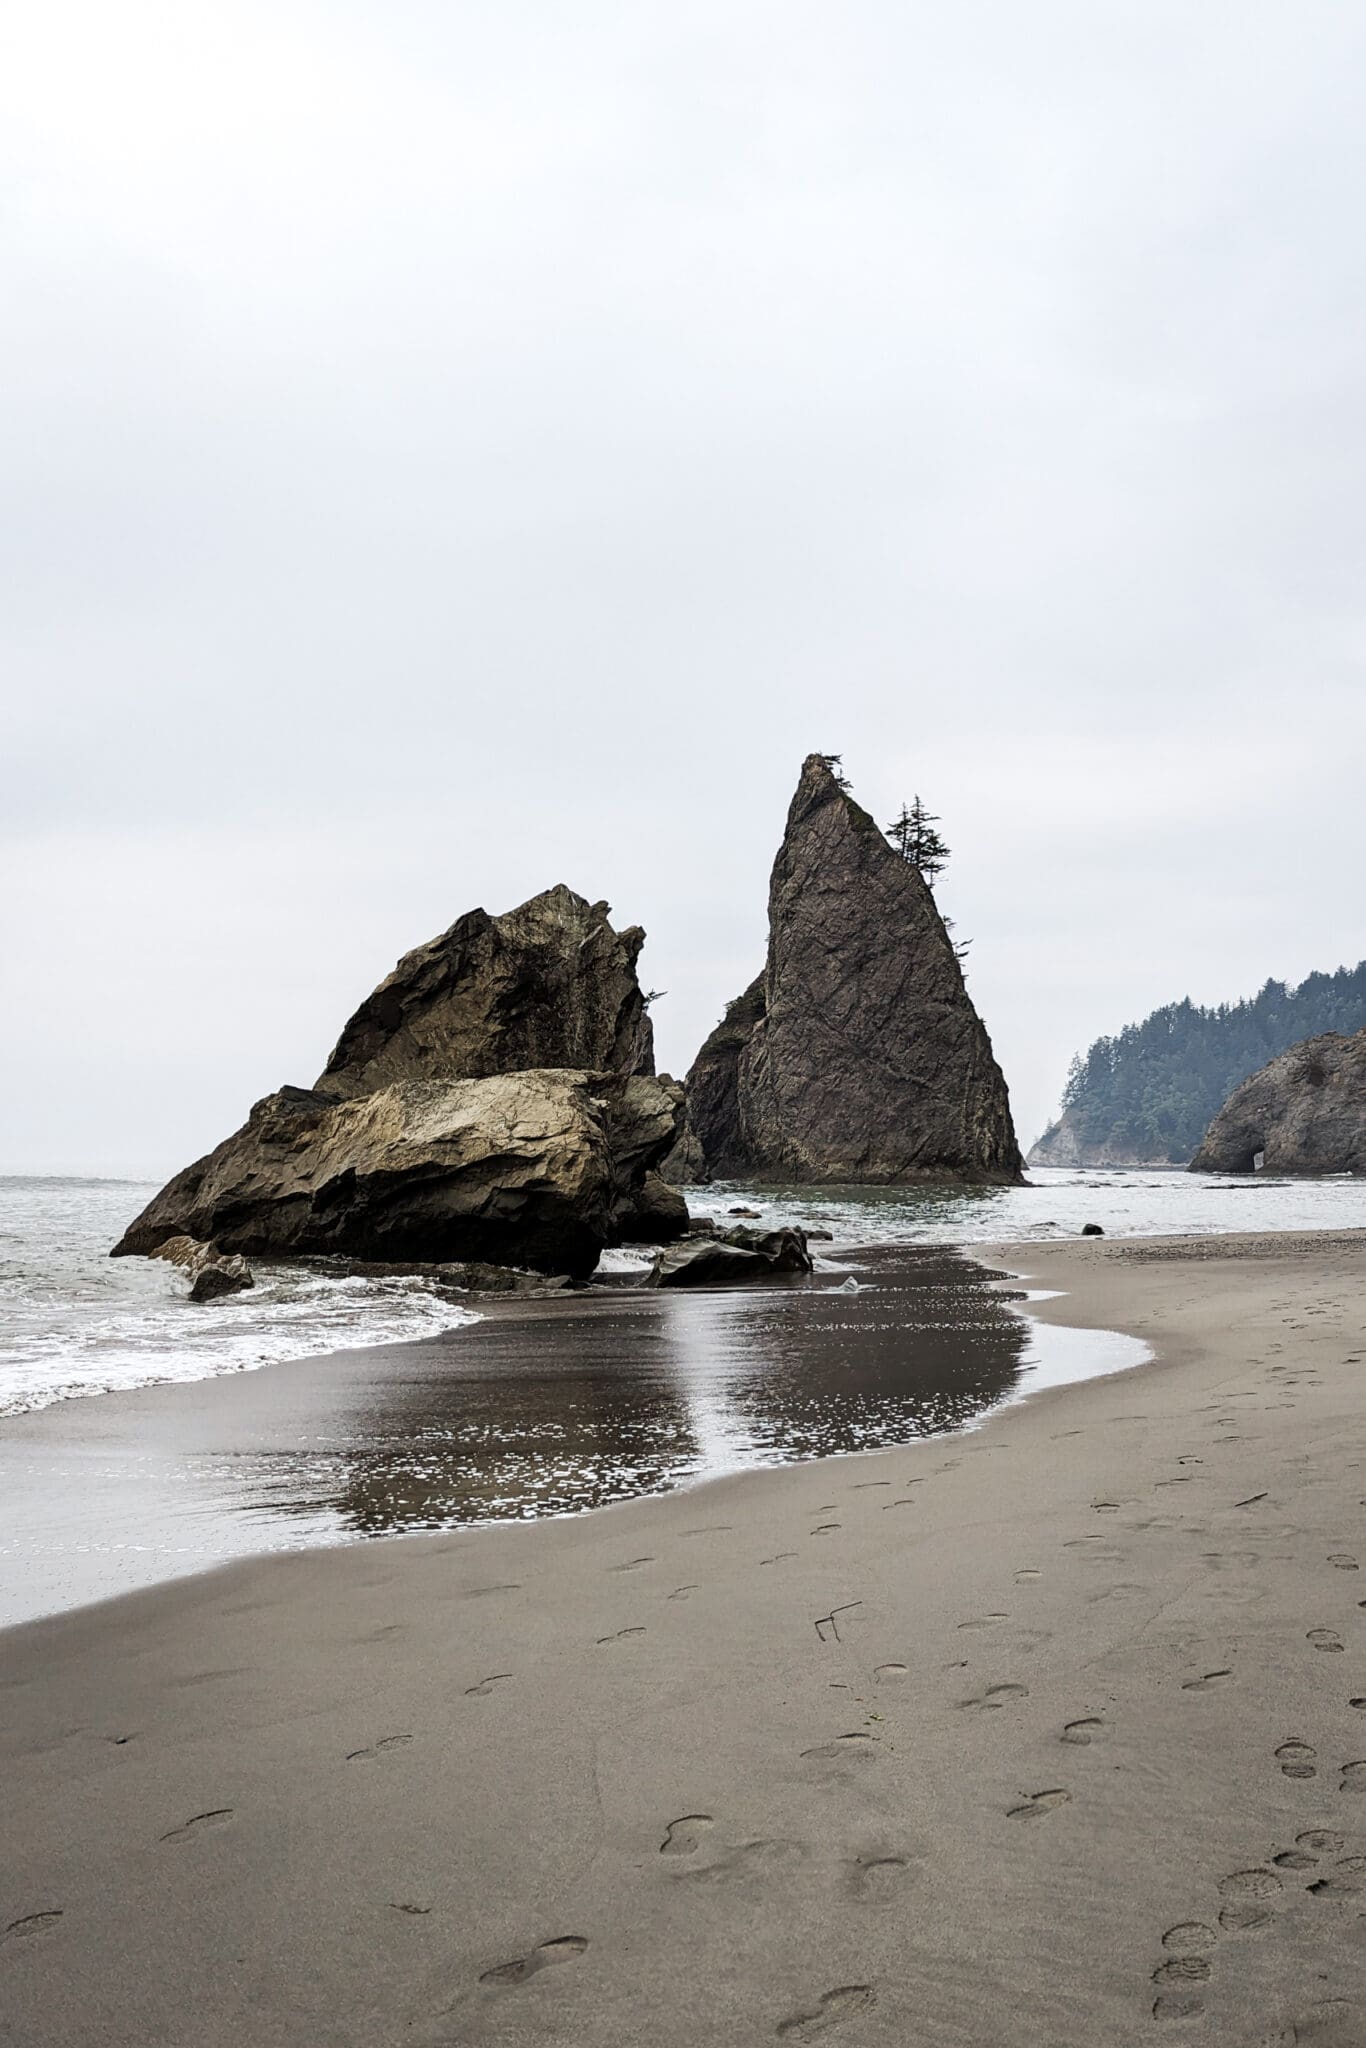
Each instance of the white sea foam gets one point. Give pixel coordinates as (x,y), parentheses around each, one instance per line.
(74,1321)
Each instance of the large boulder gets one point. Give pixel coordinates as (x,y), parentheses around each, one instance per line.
(1304,1112)
(549,984)
(528,1169)
(738,1259)
(494,1100)
(858,1056)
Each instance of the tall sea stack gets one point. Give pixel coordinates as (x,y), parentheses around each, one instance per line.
(857,1055)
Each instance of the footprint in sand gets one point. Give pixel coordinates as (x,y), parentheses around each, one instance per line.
(564,1949)
(1353,1777)
(1208,1681)
(1297,1759)
(684,1837)
(486,1685)
(682,1592)
(1321,1841)
(747,1865)
(1247,1895)
(632,1564)
(1359,1702)
(199,1823)
(1324,1638)
(856,1748)
(1346,1880)
(891,1674)
(1037,1804)
(1342,1562)
(31,1924)
(1189,1938)
(996,1696)
(621,1635)
(1026,1573)
(985,1621)
(875,1876)
(832,2010)
(1083,1732)
(826,1528)
(388,1742)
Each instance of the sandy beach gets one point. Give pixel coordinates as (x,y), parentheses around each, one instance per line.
(1052,1733)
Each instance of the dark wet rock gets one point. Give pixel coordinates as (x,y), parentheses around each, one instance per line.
(654,1213)
(1302,1113)
(212,1272)
(784,1249)
(707,1263)
(527,1169)
(710,1144)
(642,1113)
(744,1212)
(735,1257)
(481,1278)
(549,984)
(822,1236)
(857,1056)
(701,1226)
(1092,1230)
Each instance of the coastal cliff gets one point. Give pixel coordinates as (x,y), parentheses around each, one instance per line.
(1302,1113)
(1062,1144)
(857,1056)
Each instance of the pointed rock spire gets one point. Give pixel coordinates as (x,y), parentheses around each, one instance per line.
(857,1056)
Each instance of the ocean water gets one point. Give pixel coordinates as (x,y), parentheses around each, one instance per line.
(75,1322)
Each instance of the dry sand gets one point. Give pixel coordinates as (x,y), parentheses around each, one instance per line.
(1050,1734)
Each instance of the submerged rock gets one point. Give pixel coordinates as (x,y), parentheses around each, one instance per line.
(857,1056)
(1304,1112)
(212,1271)
(525,1169)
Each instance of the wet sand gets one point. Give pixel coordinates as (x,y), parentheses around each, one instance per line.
(545,1407)
(1051,1734)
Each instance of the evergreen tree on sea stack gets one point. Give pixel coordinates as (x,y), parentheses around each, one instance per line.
(914,835)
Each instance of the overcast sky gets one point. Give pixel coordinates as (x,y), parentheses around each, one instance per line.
(451,448)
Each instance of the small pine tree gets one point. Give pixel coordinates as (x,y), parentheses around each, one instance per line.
(913,835)
(834,763)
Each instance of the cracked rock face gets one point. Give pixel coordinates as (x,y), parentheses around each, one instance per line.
(549,984)
(494,1100)
(857,1056)
(1303,1112)
(532,1163)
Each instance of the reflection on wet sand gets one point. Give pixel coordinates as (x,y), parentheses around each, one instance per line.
(557,1406)
(545,1407)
